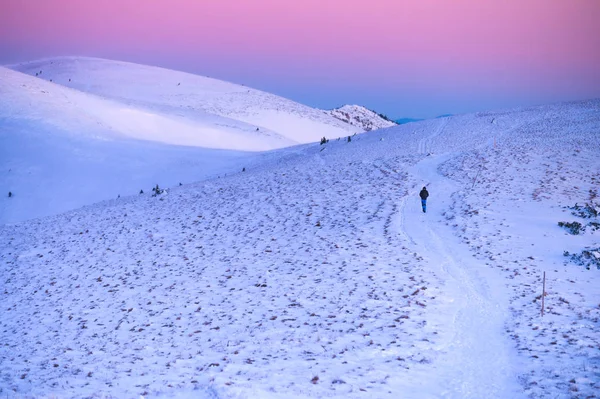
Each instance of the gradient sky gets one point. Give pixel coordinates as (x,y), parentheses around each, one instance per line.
(411,58)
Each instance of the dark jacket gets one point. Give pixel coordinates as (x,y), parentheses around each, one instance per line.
(424,194)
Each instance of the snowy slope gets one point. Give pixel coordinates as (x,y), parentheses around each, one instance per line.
(190,98)
(315,273)
(129,128)
(29,100)
(61,149)
(361,117)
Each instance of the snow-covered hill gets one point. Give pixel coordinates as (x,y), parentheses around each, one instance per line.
(131,127)
(30,101)
(361,117)
(316,274)
(171,103)
(61,149)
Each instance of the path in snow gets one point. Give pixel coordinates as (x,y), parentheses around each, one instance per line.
(424,145)
(474,353)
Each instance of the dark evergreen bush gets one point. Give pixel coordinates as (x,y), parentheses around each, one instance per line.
(587,258)
(157,191)
(572,227)
(586,211)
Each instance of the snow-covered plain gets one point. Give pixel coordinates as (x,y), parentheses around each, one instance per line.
(314,273)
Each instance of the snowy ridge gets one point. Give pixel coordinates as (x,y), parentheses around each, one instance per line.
(315,273)
(192,99)
(361,117)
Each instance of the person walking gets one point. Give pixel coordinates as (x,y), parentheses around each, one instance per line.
(424,194)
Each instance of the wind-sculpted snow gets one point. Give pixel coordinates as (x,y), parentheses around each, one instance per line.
(314,274)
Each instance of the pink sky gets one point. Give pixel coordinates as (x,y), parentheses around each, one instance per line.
(403,58)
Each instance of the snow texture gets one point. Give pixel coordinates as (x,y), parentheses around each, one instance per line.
(315,273)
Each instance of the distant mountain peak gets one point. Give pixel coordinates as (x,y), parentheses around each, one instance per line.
(361,117)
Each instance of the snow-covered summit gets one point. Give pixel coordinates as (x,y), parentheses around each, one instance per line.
(154,103)
(361,117)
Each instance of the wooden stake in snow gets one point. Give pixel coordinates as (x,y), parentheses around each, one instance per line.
(476,176)
(543,292)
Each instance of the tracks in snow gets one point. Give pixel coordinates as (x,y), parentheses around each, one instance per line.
(424,145)
(474,355)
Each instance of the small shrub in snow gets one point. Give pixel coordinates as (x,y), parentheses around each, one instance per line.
(383,116)
(157,191)
(594,226)
(141,191)
(586,211)
(587,258)
(572,227)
